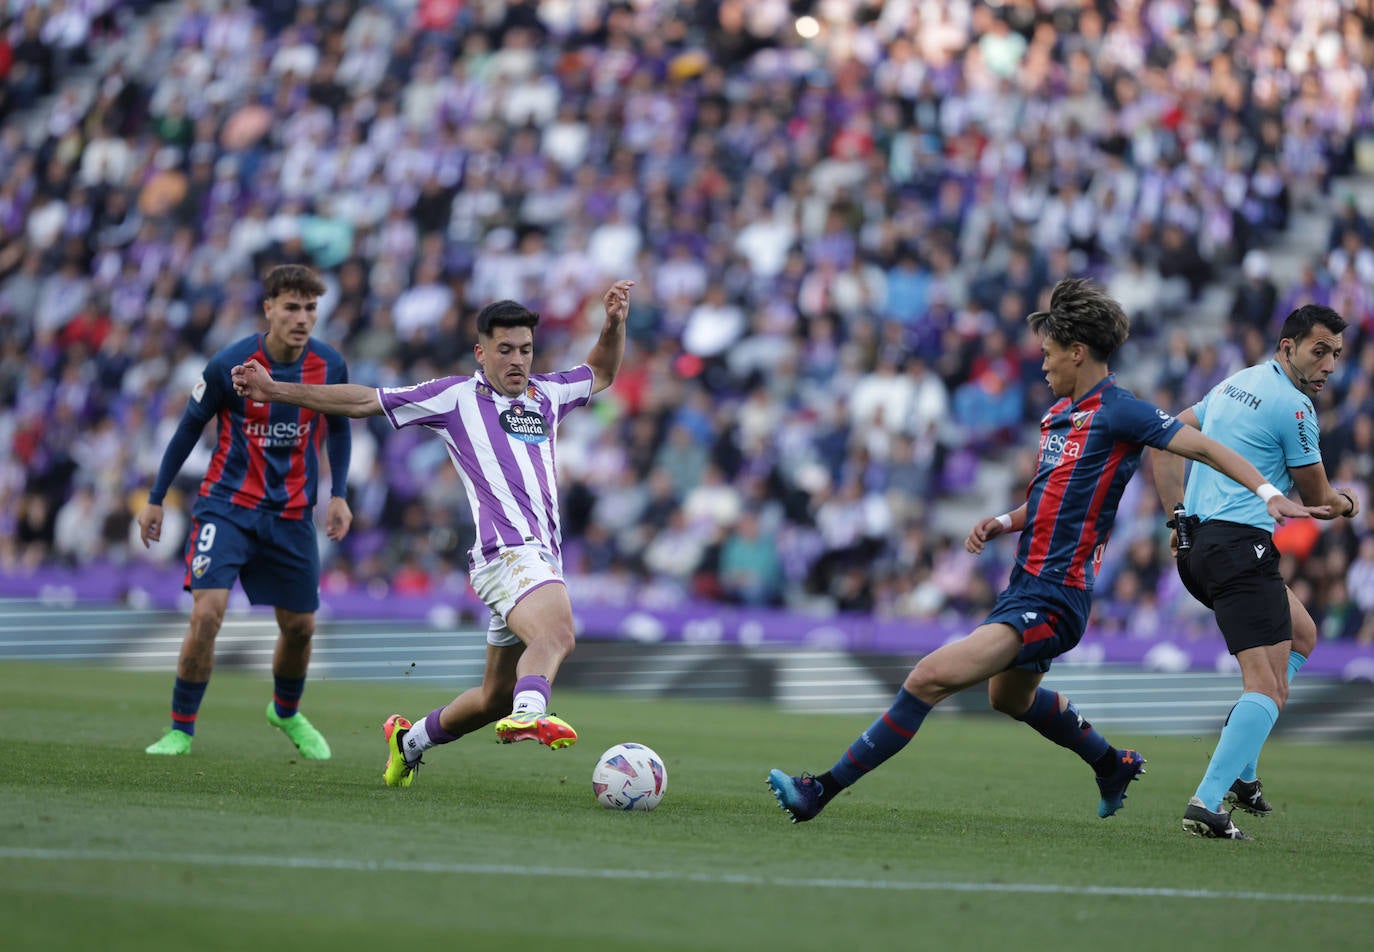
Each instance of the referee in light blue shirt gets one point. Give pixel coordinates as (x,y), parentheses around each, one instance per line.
(1226,553)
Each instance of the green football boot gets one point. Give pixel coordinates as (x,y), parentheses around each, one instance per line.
(302,733)
(171,743)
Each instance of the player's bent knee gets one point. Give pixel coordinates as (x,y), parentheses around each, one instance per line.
(301,633)
(558,641)
(927,682)
(206,623)
(1010,705)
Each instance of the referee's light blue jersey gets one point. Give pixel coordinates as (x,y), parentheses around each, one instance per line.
(1260,414)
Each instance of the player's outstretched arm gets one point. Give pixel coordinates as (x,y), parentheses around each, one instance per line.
(252,381)
(990,528)
(1167,468)
(609,348)
(1190,443)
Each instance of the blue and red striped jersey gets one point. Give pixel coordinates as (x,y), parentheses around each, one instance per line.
(1088,452)
(267,454)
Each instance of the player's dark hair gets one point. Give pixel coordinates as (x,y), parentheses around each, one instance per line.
(505,314)
(1082,312)
(292,279)
(1300,323)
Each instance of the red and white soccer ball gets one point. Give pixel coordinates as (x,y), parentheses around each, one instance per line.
(629,777)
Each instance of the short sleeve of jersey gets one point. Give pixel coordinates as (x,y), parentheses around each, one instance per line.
(566,390)
(422,404)
(1299,434)
(1139,421)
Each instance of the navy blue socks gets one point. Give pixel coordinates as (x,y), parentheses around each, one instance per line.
(186,698)
(1068,729)
(286,694)
(887,735)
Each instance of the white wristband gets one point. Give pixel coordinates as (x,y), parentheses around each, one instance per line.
(1267,491)
(1005,519)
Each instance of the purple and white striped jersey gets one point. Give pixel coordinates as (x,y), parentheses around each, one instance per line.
(503,447)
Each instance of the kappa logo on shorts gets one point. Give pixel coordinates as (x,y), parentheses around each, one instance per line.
(200,565)
(527,426)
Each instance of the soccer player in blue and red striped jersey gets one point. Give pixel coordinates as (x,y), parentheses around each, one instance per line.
(1091,441)
(253,518)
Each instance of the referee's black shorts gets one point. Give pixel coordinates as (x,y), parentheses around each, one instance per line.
(1233,569)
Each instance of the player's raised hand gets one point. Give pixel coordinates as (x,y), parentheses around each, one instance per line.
(1282,509)
(251,381)
(617,300)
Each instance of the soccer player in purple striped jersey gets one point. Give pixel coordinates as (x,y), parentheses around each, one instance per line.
(253,518)
(499,426)
(1091,440)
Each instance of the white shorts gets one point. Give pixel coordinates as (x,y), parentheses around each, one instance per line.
(506,579)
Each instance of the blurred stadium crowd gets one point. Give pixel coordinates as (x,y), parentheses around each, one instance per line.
(837,226)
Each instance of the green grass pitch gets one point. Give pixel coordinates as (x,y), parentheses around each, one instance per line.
(980,835)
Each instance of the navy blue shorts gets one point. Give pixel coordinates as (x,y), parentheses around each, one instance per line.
(276,559)
(1050,617)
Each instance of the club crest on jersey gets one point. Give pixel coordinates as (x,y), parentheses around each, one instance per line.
(1080,419)
(200,565)
(527,426)
(532,392)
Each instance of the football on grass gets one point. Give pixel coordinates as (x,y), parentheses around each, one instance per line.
(629,777)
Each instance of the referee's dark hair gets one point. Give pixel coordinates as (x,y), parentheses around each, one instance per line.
(505,314)
(1082,312)
(1300,323)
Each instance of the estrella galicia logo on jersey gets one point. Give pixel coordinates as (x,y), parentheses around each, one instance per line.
(527,426)
(200,565)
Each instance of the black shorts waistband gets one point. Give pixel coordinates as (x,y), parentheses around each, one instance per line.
(1233,529)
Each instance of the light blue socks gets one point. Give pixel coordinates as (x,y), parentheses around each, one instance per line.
(1295,663)
(1245,732)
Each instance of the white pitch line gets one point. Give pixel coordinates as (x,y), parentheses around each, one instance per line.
(649,875)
